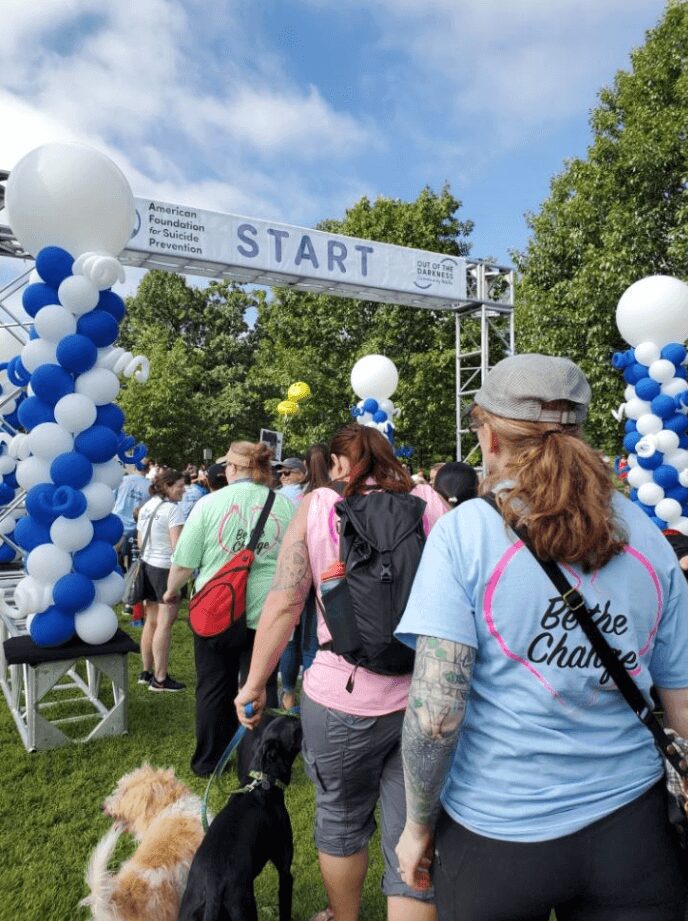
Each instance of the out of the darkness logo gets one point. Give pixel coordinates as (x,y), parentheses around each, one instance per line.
(137,225)
(431,272)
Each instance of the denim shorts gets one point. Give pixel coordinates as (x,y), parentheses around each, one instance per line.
(354,762)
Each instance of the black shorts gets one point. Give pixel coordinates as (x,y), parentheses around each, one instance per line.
(154,582)
(624,867)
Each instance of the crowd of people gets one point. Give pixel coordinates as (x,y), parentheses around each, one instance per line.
(511,775)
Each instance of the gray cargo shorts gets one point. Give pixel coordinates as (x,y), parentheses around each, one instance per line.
(354,761)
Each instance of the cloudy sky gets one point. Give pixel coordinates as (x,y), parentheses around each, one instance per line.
(293,109)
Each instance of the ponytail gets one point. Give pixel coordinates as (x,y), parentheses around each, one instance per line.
(254,458)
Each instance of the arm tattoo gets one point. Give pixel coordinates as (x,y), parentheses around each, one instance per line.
(293,573)
(435,712)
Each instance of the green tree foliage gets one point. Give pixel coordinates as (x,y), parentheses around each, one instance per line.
(614,217)
(318,338)
(200,393)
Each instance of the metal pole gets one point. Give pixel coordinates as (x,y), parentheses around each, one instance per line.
(457,365)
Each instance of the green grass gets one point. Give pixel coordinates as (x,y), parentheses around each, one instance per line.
(50,806)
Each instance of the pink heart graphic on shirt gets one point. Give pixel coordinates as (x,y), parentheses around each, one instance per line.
(493,584)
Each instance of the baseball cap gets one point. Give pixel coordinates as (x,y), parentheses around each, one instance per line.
(292,463)
(517,387)
(216,476)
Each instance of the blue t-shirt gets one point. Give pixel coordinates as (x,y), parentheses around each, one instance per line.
(192,494)
(133,491)
(548,744)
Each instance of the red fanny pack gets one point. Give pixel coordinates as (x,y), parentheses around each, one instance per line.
(221,604)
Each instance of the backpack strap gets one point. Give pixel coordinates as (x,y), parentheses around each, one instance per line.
(630,691)
(150,525)
(257,532)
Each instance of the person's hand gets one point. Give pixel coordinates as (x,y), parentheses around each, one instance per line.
(170,597)
(683,563)
(248,695)
(414,853)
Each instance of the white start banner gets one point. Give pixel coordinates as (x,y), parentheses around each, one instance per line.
(265,252)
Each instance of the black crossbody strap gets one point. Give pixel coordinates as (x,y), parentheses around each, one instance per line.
(257,532)
(626,685)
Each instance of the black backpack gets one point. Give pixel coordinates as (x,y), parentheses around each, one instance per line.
(381,540)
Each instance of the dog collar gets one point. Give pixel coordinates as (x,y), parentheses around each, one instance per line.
(264,781)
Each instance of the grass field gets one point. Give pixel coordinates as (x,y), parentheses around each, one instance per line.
(50,806)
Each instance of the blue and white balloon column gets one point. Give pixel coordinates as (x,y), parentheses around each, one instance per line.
(652,316)
(374,378)
(73,208)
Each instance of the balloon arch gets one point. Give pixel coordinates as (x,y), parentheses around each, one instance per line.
(63,438)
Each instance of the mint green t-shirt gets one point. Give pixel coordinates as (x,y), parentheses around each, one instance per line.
(220,524)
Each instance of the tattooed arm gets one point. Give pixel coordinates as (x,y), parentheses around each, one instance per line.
(436,707)
(281,610)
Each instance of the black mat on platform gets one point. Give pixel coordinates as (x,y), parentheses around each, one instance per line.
(21,650)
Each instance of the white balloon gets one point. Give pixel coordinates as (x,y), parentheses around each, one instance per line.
(666,441)
(111,473)
(96,624)
(72,196)
(32,471)
(365,418)
(7,524)
(75,412)
(650,493)
(632,460)
(38,352)
(99,384)
(7,463)
(662,370)
(677,459)
(71,534)
(646,447)
(78,294)
(646,353)
(48,563)
(100,268)
(374,376)
(54,322)
(668,510)
(629,392)
(654,308)
(29,621)
(639,475)
(49,439)
(683,477)
(29,595)
(110,589)
(636,408)
(100,500)
(649,424)
(8,407)
(680,525)
(675,386)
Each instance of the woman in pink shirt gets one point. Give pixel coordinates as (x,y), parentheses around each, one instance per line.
(352,717)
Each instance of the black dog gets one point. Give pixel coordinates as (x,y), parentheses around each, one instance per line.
(253,827)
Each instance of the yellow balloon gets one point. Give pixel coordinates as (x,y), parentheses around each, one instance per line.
(287,408)
(299,391)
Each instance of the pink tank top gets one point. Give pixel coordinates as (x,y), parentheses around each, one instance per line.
(325,681)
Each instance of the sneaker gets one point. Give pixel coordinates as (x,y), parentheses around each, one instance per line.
(169,684)
(137,623)
(145,677)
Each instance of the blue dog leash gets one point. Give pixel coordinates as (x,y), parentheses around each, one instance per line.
(229,751)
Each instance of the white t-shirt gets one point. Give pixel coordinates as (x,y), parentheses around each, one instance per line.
(166,514)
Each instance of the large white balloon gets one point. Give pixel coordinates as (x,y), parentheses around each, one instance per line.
(666,441)
(646,353)
(650,493)
(111,473)
(110,589)
(53,322)
(654,309)
(649,424)
(668,510)
(100,500)
(99,384)
(72,196)
(32,471)
(71,534)
(662,370)
(374,376)
(47,563)
(639,475)
(78,294)
(75,412)
(96,624)
(636,408)
(38,352)
(49,439)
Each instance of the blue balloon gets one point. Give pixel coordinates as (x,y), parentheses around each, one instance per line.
(651,462)
(683,441)
(630,442)
(52,627)
(647,389)
(54,264)
(661,524)
(633,495)
(98,443)
(109,529)
(69,502)
(677,423)
(33,411)
(100,327)
(681,372)
(71,469)
(12,419)
(30,533)
(33,333)
(38,295)
(380,416)
(17,373)
(6,493)
(11,480)
(76,353)
(51,382)
(113,303)
(7,553)
(665,476)
(74,592)
(40,503)
(629,426)
(110,415)
(680,493)
(621,360)
(674,352)
(635,373)
(648,509)
(96,561)
(370,406)
(663,406)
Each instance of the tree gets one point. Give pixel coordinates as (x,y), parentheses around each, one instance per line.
(614,217)
(318,338)
(201,349)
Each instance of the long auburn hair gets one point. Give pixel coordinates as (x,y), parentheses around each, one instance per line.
(371,458)
(562,490)
(317,467)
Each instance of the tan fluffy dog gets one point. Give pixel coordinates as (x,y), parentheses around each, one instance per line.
(165,818)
